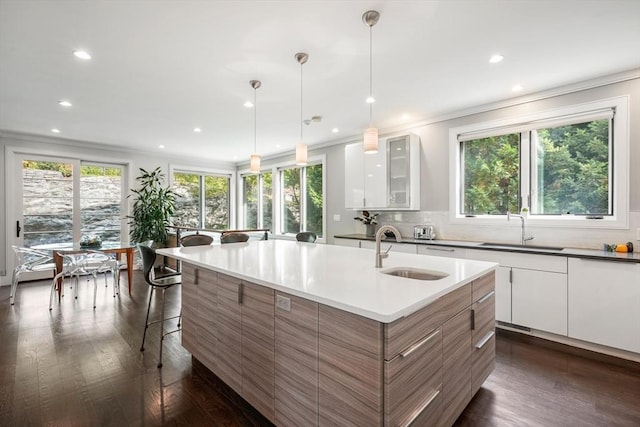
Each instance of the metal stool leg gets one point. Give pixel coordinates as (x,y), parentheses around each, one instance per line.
(146,321)
(161,329)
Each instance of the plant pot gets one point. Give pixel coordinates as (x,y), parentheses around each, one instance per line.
(371,230)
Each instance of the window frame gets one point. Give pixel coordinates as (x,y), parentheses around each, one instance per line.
(230,174)
(619,159)
(276,214)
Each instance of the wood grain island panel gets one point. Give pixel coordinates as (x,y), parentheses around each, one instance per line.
(300,362)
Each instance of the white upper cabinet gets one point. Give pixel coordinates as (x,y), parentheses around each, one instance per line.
(387,180)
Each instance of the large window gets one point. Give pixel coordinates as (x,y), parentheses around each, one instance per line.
(257,199)
(563,166)
(286,199)
(202,200)
(301,200)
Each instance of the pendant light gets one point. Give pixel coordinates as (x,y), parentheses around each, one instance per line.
(371,18)
(255,157)
(301,147)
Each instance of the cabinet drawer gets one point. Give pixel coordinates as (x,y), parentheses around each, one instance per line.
(483,285)
(553,263)
(483,316)
(444,251)
(401,333)
(484,354)
(412,378)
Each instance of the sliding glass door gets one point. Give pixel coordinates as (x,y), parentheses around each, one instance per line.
(62,200)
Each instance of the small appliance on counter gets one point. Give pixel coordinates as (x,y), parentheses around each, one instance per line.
(424,232)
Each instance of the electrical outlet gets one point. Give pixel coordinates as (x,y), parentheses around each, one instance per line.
(336,217)
(283,303)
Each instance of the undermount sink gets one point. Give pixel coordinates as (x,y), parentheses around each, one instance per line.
(415,273)
(516,246)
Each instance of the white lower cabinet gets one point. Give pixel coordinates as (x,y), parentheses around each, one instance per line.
(503,294)
(531,290)
(539,300)
(604,303)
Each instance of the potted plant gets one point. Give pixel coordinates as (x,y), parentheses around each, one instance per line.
(369,220)
(153,207)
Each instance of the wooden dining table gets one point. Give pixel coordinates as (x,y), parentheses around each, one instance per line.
(59,249)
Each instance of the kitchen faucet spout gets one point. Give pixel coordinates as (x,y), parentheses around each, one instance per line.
(380,256)
(524,238)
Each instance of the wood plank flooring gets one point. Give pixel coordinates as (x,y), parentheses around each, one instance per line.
(76,366)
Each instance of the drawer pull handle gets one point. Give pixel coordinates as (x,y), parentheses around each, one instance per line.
(424,406)
(486,297)
(441,249)
(485,339)
(419,344)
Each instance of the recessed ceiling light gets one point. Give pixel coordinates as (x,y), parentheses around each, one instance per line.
(197,130)
(277,145)
(65,103)
(161,146)
(82,54)
(248,104)
(516,88)
(54,130)
(335,130)
(405,117)
(235,157)
(371,100)
(496,58)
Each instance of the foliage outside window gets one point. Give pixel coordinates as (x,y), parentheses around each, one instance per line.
(202,200)
(569,171)
(491,169)
(257,198)
(301,190)
(572,167)
(562,165)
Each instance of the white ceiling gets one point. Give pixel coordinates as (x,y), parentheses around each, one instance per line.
(161,68)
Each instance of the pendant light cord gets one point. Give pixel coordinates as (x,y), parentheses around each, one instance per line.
(370,74)
(301,103)
(255,120)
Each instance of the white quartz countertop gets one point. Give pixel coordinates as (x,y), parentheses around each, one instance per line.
(341,277)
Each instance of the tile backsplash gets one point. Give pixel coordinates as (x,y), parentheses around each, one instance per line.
(553,236)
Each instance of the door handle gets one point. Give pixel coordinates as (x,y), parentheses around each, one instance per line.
(18,229)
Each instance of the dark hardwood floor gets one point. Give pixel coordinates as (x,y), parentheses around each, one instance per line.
(76,366)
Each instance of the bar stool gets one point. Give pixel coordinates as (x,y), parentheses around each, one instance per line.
(306,236)
(161,283)
(234,238)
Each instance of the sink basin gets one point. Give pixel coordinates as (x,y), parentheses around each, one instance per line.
(516,246)
(415,273)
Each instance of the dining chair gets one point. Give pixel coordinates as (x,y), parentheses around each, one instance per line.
(86,263)
(162,283)
(234,238)
(28,259)
(196,240)
(306,236)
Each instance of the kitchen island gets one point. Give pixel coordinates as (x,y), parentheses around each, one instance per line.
(313,334)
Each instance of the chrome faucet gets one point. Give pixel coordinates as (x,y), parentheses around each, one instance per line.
(523,239)
(380,256)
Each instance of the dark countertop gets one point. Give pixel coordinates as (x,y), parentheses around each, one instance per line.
(532,249)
